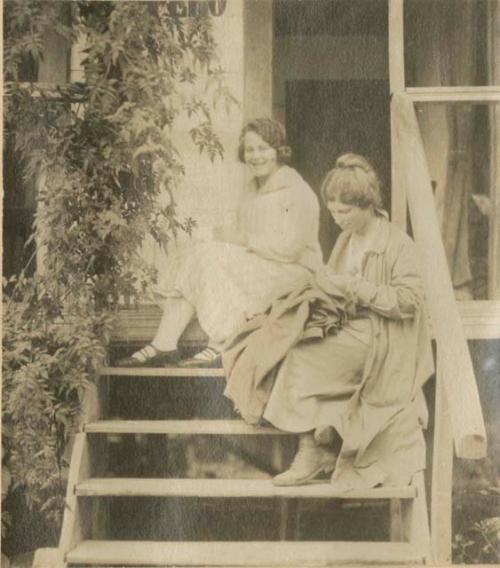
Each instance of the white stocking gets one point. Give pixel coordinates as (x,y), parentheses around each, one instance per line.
(177,313)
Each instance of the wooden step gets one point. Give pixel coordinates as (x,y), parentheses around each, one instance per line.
(226,488)
(160,372)
(144,553)
(222,427)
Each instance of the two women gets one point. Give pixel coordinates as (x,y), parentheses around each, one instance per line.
(227,281)
(354,398)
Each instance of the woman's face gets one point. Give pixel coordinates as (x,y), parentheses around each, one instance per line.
(261,158)
(350,217)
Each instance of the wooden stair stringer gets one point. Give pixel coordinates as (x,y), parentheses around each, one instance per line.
(73,528)
(415,519)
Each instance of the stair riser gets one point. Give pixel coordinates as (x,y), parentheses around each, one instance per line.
(178,456)
(237,519)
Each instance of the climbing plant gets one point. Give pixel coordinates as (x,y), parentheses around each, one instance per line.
(100,151)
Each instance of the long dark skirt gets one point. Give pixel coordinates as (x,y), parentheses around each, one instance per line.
(317,380)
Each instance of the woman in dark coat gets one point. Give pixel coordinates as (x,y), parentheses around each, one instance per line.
(360,389)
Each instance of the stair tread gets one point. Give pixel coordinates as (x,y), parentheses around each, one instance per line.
(165,372)
(236,427)
(262,488)
(151,553)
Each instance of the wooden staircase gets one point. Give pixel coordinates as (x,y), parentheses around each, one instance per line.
(458,429)
(85,541)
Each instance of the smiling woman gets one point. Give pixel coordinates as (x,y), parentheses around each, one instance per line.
(273,250)
(260,156)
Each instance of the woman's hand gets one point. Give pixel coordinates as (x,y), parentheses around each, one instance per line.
(229,235)
(347,284)
(333,282)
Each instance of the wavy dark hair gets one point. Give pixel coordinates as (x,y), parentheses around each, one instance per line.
(272,132)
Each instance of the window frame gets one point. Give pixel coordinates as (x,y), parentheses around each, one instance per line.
(481,318)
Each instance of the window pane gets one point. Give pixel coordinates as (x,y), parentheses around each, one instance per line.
(452,42)
(462,144)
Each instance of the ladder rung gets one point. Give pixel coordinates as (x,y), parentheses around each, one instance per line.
(228,427)
(160,372)
(227,488)
(150,553)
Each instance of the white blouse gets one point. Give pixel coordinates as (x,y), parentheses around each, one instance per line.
(281,219)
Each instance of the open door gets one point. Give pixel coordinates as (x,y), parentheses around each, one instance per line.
(331,88)
(328,118)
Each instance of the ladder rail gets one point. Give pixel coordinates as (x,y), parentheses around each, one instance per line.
(458,415)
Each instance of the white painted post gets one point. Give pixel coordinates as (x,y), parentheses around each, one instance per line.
(442,476)
(397,85)
(258,65)
(456,365)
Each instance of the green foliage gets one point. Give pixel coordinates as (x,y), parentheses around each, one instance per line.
(106,148)
(479,544)
(48,361)
(102,151)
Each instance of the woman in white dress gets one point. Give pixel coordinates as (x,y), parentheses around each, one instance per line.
(273,250)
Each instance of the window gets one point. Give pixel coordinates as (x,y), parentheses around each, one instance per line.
(19,194)
(450,42)
(461,144)
(445,56)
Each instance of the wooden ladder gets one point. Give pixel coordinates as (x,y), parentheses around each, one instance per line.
(83,538)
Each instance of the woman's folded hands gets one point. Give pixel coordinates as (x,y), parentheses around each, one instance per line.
(396,301)
(350,286)
(333,282)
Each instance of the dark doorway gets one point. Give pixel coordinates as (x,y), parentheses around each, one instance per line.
(327,118)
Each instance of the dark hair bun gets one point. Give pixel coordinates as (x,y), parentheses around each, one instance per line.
(353,181)
(284,154)
(354,161)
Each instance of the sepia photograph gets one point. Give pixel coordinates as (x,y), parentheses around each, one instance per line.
(251,283)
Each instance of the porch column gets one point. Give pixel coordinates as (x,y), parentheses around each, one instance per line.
(209,192)
(258,33)
(53,69)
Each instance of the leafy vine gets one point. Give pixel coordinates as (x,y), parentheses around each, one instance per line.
(101,152)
